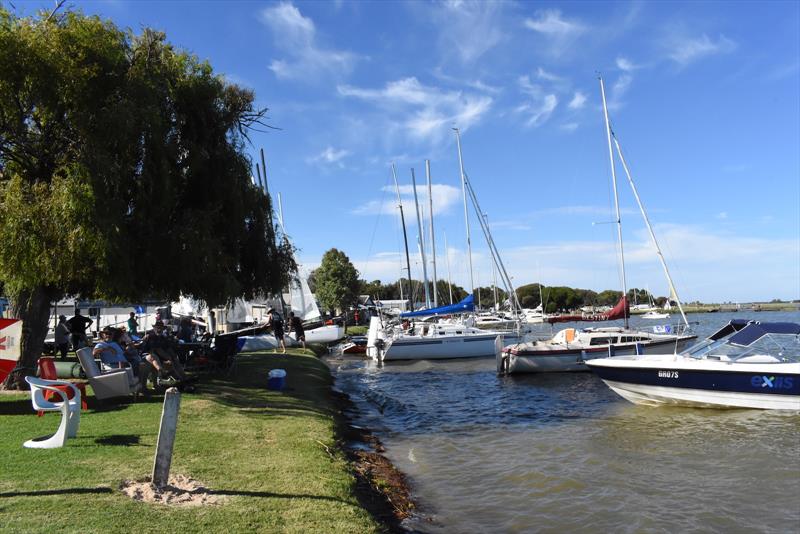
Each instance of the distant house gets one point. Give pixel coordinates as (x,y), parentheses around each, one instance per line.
(396,304)
(365,301)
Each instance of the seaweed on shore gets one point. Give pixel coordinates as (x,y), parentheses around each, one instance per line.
(380,487)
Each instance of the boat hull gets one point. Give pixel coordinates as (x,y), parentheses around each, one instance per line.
(324,334)
(574,360)
(449,347)
(681,381)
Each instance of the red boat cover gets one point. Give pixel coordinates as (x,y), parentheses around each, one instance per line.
(619,311)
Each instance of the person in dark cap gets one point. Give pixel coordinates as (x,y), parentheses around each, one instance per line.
(62,336)
(276,322)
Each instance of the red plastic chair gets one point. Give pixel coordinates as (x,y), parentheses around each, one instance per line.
(47,370)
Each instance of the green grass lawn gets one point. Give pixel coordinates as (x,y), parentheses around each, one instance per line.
(264,450)
(360,330)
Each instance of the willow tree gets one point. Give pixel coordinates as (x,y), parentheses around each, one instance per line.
(123,174)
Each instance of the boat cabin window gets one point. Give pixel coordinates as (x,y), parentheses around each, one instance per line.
(632,339)
(602,340)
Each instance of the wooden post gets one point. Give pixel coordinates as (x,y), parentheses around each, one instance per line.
(166,437)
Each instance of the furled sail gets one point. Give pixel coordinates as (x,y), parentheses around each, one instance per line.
(465,306)
(619,311)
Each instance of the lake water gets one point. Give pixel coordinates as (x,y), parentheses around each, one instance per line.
(562,452)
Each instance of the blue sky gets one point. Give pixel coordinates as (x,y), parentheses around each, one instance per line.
(704,98)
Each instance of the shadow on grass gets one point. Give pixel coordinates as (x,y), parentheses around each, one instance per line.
(17,407)
(124,440)
(64,491)
(271,495)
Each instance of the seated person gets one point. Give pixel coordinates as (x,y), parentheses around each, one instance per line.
(161,355)
(186,331)
(141,367)
(109,351)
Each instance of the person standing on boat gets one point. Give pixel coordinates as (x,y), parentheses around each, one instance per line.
(296,325)
(276,322)
(62,336)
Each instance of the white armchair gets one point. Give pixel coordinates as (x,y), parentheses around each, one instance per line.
(70,411)
(114,383)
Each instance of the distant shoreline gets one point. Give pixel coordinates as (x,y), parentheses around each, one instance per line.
(743,308)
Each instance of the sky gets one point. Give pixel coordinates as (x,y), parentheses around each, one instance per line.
(704,98)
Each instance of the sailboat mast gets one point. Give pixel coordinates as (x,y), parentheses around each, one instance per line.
(405,236)
(421,243)
(650,229)
(466,213)
(494,272)
(280,213)
(616,197)
(447,260)
(433,239)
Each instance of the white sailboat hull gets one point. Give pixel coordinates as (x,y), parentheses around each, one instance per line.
(449,347)
(322,335)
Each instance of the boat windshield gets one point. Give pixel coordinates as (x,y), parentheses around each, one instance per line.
(785,347)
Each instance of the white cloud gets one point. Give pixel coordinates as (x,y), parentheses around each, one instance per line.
(578,100)
(684,50)
(297,36)
(458,23)
(722,215)
(693,253)
(569,126)
(547,76)
(330,156)
(538,110)
(444,198)
(625,65)
(618,90)
(429,111)
(550,22)
(558,32)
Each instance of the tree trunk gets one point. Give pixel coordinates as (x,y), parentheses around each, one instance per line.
(33,307)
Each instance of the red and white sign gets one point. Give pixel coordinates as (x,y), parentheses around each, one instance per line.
(10,335)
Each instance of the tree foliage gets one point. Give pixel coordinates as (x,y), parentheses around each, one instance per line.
(336,281)
(391,291)
(122,170)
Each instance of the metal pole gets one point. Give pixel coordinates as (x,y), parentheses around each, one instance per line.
(466,213)
(616,197)
(280,213)
(650,229)
(421,243)
(264,169)
(405,236)
(447,259)
(260,180)
(433,239)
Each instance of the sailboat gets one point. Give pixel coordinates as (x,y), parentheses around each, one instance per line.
(569,348)
(303,305)
(432,338)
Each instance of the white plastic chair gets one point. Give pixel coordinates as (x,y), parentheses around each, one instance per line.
(70,411)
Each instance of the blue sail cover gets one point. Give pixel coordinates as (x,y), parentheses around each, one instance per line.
(465,306)
(756,330)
